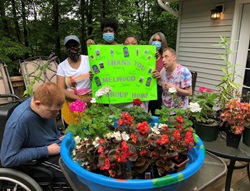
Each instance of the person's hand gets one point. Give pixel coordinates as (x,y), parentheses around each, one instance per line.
(91,74)
(157,54)
(90,42)
(168,85)
(156,75)
(86,100)
(61,138)
(53,149)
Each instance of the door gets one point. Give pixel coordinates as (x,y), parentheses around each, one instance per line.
(243,55)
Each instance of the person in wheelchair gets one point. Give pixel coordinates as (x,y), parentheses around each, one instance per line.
(31,131)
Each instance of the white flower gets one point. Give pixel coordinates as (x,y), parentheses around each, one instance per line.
(74,152)
(161,125)
(98,94)
(155,130)
(117,135)
(85,163)
(95,143)
(172,90)
(194,107)
(103,91)
(77,140)
(109,135)
(78,146)
(97,138)
(93,100)
(125,136)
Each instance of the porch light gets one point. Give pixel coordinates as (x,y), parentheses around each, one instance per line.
(217,11)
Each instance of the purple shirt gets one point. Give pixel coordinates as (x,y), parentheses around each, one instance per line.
(180,77)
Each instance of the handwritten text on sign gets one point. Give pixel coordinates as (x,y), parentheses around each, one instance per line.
(127,69)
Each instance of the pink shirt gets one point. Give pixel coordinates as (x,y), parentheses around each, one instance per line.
(159,64)
(180,77)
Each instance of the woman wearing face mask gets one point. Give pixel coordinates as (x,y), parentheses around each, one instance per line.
(109,28)
(73,77)
(159,40)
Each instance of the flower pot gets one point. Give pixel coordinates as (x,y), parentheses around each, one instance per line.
(246,136)
(233,140)
(206,132)
(181,166)
(100,182)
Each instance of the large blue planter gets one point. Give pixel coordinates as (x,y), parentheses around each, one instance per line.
(98,182)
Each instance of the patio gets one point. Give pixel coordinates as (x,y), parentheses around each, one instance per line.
(240,181)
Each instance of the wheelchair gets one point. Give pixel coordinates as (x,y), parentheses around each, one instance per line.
(14,179)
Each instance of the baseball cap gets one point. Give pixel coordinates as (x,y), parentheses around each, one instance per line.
(71,37)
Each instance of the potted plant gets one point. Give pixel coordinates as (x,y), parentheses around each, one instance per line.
(150,151)
(133,151)
(246,132)
(228,89)
(201,109)
(234,118)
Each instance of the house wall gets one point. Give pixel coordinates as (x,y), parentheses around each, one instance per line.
(196,35)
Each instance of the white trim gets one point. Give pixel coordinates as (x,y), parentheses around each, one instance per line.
(243,44)
(178,29)
(235,33)
(166,8)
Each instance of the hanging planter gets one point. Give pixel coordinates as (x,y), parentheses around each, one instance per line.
(206,132)
(100,182)
(233,140)
(246,136)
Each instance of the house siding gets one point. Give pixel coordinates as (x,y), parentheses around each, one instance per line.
(198,33)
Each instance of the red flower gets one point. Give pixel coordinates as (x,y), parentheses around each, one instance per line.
(137,102)
(143,127)
(133,138)
(101,141)
(179,119)
(126,119)
(164,139)
(165,127)
(120,122)
(189,133)
(202,89)
(177,134)
(176,157)
(153,153)
(143,152)
(101,149)
(106,165)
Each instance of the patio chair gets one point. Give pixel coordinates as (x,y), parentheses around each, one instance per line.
(6,89)
(38,70)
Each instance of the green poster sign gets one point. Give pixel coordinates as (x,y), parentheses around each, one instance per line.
(127,69)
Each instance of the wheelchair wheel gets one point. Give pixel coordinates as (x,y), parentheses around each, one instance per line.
(11,179)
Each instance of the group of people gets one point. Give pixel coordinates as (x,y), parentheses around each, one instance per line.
(31,131)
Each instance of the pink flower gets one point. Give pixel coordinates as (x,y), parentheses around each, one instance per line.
(202,89)
(77,106)
(209,90)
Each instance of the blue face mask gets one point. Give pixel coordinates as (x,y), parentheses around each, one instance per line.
(157,44)
(108,37)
